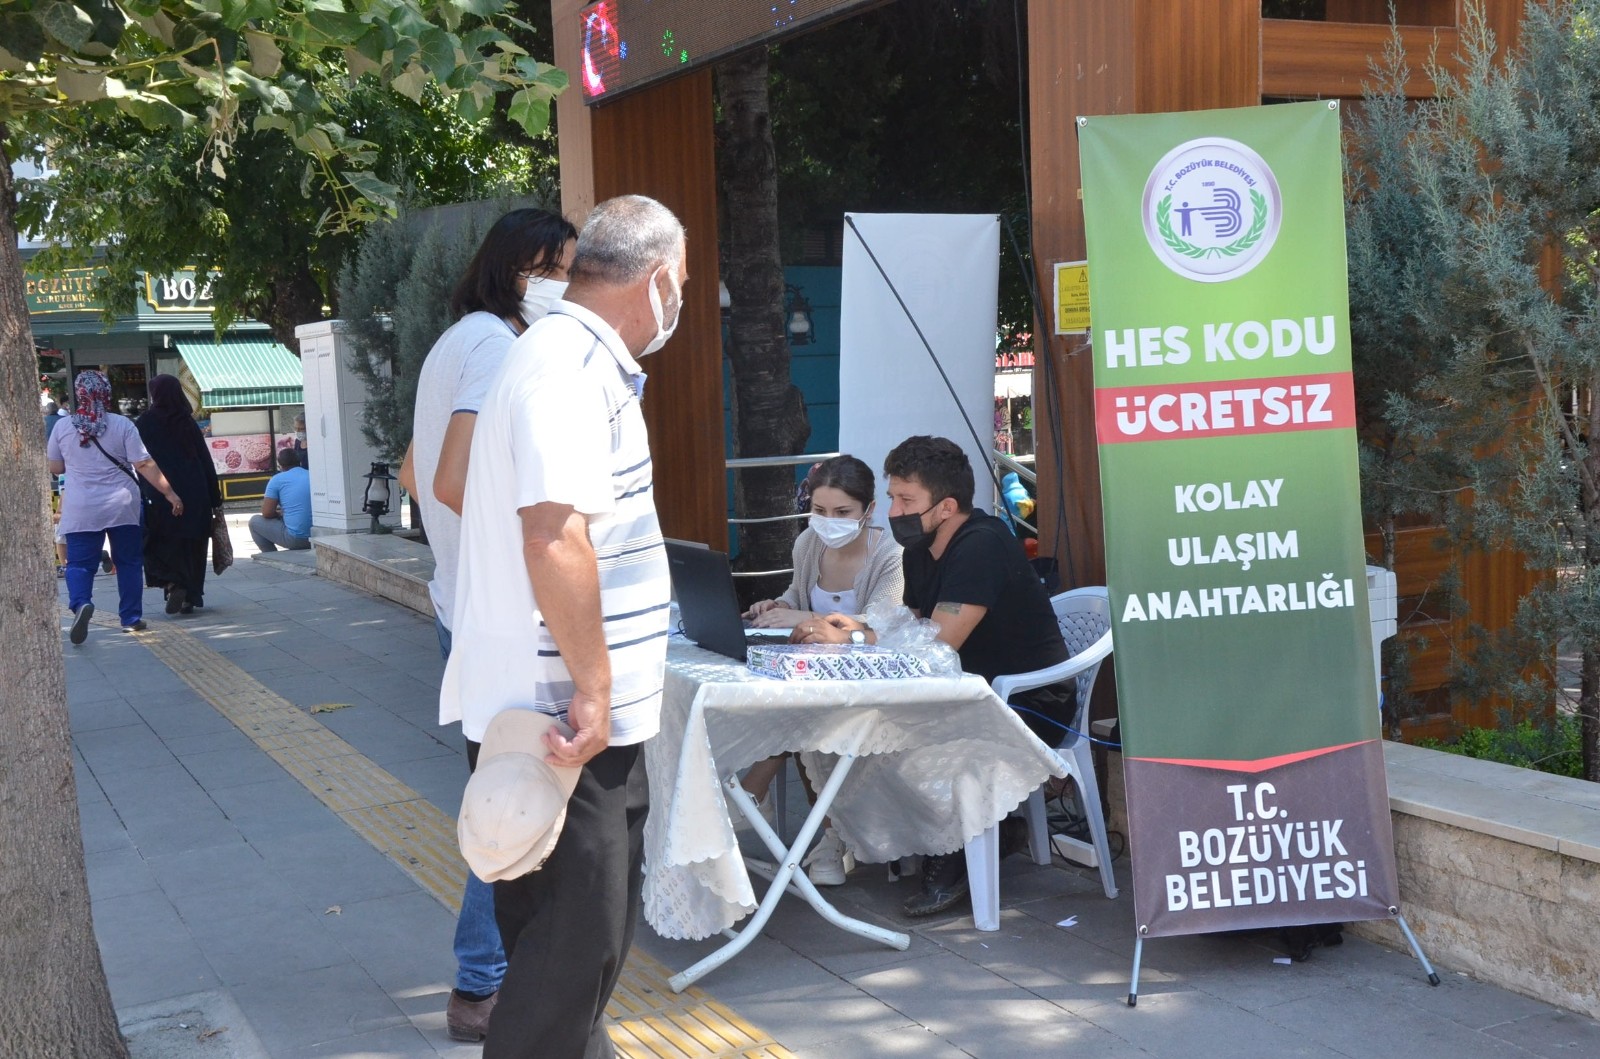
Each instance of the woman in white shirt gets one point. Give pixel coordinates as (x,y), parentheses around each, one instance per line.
(842,564)
(100,453)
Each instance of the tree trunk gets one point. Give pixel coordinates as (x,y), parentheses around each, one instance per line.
(1588,711)
(769,412)
(60,1003)
(293,298)
(1589,686)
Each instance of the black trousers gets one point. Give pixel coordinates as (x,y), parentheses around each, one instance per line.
(567,927)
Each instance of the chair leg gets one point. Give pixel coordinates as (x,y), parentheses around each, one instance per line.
(1038,828)
(1082,757)
(983,879)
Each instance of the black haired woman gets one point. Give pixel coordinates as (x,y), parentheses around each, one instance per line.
(842,564)
(518,272)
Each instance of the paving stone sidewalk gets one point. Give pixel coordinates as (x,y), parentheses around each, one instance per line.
(223,889)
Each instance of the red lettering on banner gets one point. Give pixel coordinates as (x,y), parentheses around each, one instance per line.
(1186,410)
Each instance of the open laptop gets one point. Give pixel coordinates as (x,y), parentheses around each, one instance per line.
(708,606)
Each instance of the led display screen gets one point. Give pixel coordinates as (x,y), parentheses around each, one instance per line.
(627,44)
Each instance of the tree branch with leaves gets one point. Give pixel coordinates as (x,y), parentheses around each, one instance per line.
(215,69)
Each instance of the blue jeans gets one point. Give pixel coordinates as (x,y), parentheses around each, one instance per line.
(127,551)
(480,956)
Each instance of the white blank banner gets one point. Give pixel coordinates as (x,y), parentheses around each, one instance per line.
(947,270)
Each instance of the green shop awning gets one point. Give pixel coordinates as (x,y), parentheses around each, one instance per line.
(244,372)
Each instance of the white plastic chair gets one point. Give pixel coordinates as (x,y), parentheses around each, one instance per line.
(1084,615)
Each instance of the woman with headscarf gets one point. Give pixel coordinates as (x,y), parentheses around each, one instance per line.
(175,544)
(101,454)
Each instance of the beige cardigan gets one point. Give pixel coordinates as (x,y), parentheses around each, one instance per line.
(881,580)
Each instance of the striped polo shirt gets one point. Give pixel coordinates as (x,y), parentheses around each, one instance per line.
(561,424)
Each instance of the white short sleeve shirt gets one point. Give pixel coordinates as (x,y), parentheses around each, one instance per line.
(455,377)
(561,424)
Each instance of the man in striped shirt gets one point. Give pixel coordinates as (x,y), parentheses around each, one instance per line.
(561,606)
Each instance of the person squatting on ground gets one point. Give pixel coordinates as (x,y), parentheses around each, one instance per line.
(175,545)
(285,519)
(559,485)
(103,458)
(966,571)
(518,272)
(842,563)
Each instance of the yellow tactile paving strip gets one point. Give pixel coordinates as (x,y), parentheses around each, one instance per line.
(648,1019)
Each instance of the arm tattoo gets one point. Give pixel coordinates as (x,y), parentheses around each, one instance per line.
(948,608)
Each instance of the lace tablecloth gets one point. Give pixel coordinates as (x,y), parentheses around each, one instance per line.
(943,759)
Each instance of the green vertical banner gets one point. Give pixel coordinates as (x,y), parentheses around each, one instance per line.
(1225,416)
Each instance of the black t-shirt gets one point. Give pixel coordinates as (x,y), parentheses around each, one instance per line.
(984,565)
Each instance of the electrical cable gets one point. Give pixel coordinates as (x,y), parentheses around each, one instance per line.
(1065,727)
(1068,819)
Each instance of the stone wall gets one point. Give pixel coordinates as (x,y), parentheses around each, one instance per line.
(385,565)
(1520,916)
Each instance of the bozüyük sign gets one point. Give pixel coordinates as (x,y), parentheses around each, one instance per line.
(1225,416)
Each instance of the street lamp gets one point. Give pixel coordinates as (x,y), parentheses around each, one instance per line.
(375,500)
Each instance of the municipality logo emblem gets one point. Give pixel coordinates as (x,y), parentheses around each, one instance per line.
(1211,209)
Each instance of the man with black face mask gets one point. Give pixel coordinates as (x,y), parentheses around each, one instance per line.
(967,573)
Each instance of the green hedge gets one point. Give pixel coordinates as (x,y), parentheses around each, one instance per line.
(1551,748)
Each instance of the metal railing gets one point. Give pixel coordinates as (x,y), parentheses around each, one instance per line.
(1010,463)
(757,462)
(1007,462)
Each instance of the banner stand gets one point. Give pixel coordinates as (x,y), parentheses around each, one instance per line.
(1411,939)
(1252,748)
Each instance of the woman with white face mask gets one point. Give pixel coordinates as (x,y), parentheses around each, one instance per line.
(842,564)
(519,270)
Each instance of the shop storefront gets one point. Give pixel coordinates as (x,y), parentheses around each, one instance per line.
(245,386)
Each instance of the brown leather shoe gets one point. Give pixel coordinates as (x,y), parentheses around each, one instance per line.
(468,1020)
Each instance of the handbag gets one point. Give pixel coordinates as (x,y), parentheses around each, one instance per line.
(221,543)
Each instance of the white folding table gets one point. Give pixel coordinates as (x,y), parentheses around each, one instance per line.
(902,766)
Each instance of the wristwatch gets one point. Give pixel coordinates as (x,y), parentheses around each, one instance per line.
(857,637)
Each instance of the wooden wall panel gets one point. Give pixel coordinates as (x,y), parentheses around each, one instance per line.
(1197,54)
(659,142)
(1322,60)
(1106,57)
(574,131)
(1504,19)
(1081,60)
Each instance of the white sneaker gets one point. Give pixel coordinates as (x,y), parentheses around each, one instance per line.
(829,862)
(768,811)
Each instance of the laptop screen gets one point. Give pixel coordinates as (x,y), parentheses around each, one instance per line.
(708,604)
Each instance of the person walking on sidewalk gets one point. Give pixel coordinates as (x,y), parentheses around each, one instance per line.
(102,456)
(285,519)
(560,486)
(518,271)
(52,416)
(175,545)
